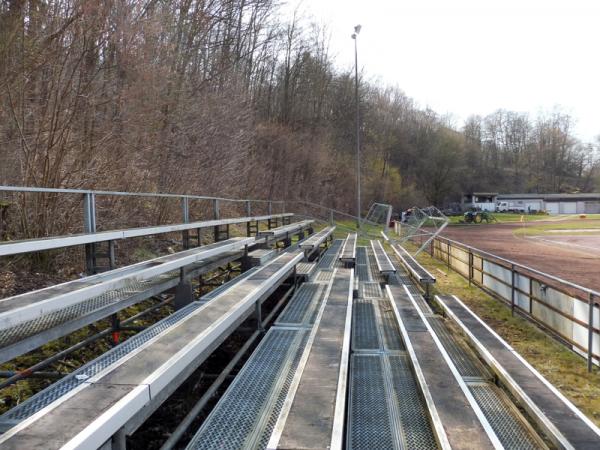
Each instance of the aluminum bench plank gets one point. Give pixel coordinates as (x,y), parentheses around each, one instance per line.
(36,245)
(91,413)
(348,253)
(384,264)
(285,230)
(28,306)
(315,417)
(26,336)
(317,239)
(458,421)
(417,271)
(559,418)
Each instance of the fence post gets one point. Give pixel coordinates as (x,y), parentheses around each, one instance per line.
(89,226)
(331,216)
(248,208)
(470,267)
(185,210)
(512,290)
(216,216)
(590,354)
(448,248)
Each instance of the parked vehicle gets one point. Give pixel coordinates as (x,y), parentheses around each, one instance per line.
(509,207)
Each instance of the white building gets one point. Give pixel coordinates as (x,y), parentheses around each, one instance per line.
(484,201)
(554,203)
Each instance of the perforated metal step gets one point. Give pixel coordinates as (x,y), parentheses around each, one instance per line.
(365,335)
(386,410)
(361,255)
(303,306)
(323,275)
(305,269)
(507,422)
(371,290)
(416,430)
(389,326)
(369,418)
(246,414)
(463,358)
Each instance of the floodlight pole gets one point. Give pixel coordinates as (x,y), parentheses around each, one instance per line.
(355,37)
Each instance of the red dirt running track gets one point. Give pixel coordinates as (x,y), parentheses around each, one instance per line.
(573,258)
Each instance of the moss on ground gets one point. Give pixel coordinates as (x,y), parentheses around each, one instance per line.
(562,367)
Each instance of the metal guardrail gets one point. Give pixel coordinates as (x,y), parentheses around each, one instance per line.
(566,309)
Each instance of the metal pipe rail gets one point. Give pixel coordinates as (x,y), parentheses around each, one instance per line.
(36,245)
(564,308)
(25,307)
(129,194)
(124,394)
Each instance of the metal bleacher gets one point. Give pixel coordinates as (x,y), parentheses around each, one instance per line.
(350,356)
(268,403)
(564,424)
(27,319)
(135,384)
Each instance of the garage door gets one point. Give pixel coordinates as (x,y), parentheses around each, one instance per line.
(552,207)
(533,205)
(568,207)
(592,207)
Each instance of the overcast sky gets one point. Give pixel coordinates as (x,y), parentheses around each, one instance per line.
(474,56)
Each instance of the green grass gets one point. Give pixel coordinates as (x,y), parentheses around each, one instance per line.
(504,218)
(578,224)
(563,368)
(343,227)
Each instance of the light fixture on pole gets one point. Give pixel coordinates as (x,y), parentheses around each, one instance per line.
(355,37)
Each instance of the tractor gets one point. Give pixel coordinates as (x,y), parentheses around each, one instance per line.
(478,217)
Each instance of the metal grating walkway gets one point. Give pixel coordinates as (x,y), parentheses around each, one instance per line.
(463,358)
(303,306)
(79,376)
(245,416)
(386,408)
(507,422)
(365,335)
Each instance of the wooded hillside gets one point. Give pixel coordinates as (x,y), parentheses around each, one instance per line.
(226,97)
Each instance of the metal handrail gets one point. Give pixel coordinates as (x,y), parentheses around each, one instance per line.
(128,194)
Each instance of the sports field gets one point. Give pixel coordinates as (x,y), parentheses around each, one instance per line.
(564,246)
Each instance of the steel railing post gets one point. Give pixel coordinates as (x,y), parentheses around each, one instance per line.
(512,290)
(470,267)
(89,226)
(216,216)
(185,210)
(590,352)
